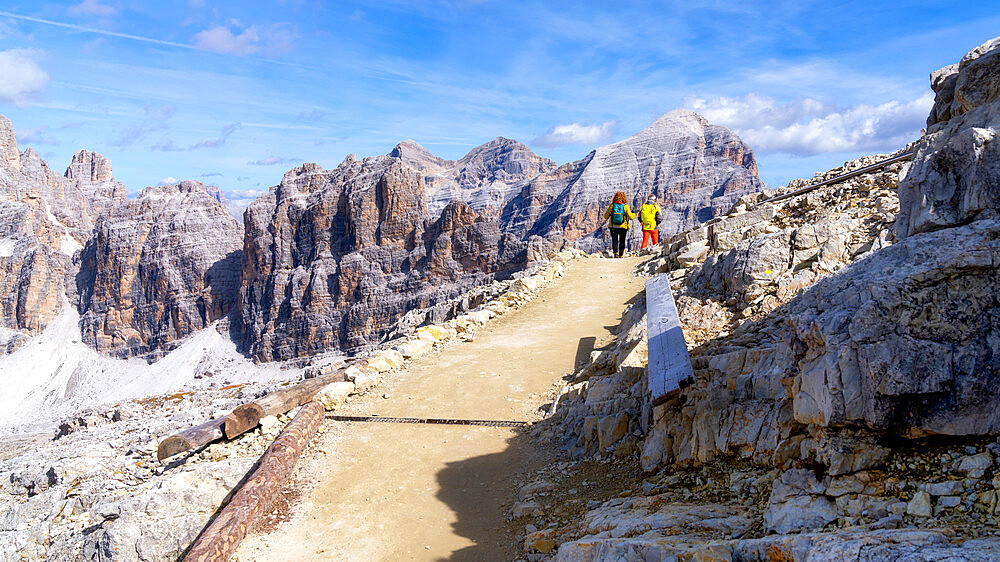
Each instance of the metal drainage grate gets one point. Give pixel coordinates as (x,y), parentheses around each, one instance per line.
(441,421)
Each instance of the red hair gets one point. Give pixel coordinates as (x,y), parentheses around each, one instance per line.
(620,197)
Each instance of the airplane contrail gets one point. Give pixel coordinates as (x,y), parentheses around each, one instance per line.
(98,31)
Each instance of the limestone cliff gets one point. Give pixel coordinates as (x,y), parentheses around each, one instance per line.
(46,218)
(488,176)
(332,258)
(158,268)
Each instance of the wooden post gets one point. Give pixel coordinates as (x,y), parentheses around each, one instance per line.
(218,541)
(669,368)
(191,438)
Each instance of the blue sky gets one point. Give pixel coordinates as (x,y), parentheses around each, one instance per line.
(236,93)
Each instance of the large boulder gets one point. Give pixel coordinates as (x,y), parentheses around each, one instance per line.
(955,175)
(907,339)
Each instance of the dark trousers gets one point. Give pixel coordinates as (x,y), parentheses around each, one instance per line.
(618,240)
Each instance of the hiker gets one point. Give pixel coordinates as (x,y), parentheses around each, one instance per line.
(650,217)
(619,216)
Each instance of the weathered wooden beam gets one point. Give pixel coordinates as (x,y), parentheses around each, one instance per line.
(669,368)
(247,416)
(191,438)
(220,539)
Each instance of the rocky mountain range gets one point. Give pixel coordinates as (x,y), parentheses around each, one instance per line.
(328,259)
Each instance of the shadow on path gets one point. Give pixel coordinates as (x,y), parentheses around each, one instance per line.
(470,488)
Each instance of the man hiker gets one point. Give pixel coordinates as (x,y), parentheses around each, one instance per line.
(618,216)
(650,217)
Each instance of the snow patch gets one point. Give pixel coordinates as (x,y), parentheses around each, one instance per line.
(55,374)
(67,244)
(7,247)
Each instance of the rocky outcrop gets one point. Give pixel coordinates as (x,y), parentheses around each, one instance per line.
(955,176)
(697,172)
(46,218)
(10,156)
(157,269)
(333,258)
(908,340)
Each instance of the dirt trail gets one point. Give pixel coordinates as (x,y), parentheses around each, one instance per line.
(431,492)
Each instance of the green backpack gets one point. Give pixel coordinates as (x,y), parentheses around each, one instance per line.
(618,214)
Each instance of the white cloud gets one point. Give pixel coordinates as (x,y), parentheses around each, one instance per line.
(808,126)
(170,180)
(577,133)
(241,198)
(155,120)
(92,8)
(22,77)
(270,39)
(166,145)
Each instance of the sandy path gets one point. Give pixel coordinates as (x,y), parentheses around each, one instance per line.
(419,492)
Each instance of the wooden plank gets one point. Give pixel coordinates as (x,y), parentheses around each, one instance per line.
(191,438)
(219,540)
(669,367)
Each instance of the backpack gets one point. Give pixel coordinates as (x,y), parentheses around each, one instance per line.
(617,214)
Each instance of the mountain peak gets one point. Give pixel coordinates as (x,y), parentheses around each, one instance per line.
(89,166)
(416,156)
(10,157)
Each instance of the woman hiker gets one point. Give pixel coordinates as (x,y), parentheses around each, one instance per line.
(618,216)
(650,217)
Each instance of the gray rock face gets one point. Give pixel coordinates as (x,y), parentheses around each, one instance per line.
(10,157)
(487,177)
(697,172)
(46,218)
(157,269)
(333,258)
(955,176)
(89,167)
(907,339)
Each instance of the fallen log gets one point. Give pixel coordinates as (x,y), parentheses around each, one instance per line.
(220,539)
(191,438)
(246,417)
